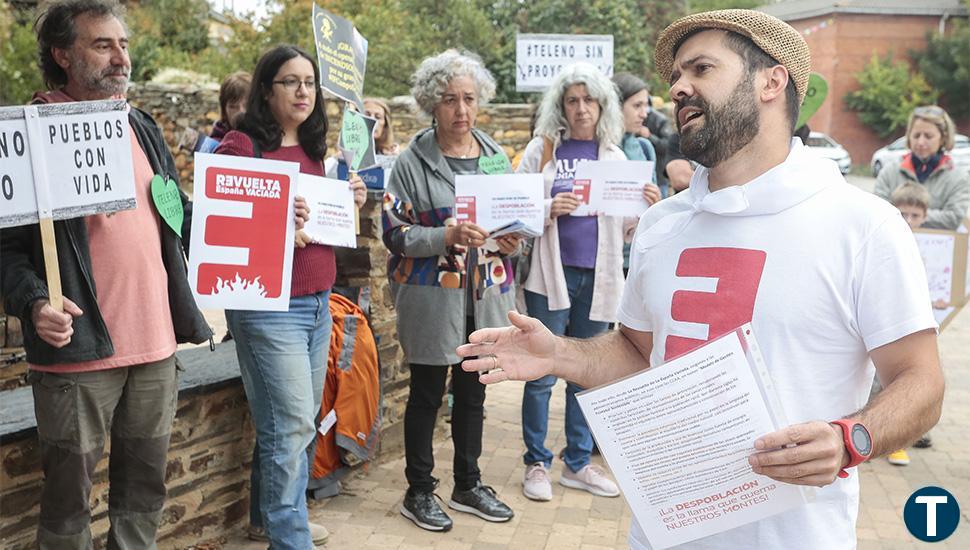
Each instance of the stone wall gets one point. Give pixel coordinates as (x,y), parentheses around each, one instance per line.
(207,476)
(178,108)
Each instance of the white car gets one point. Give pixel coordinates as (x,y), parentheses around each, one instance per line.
(895,151)
(827,147)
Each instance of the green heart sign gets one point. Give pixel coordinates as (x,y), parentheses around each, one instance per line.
(354,136)
(168,202)
(495,164)
(815,94)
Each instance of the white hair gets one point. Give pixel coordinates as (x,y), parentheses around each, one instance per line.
(552,119)
(435,73)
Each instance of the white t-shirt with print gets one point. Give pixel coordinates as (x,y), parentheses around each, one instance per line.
(823,271)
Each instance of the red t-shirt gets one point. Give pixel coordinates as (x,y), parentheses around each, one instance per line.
(314,267)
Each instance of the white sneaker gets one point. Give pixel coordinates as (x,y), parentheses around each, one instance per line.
(590,478)
(536,485)
(318,533)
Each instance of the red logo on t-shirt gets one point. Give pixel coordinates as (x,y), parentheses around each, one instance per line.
(262,233)
(738,273)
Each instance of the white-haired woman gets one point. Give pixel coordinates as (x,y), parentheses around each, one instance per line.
(576,273)
(446,283)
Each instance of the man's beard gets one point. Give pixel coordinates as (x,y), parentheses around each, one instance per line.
(104,81)
(726,129)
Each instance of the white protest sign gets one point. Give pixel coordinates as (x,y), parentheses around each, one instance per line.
(540,57)
(936,249)
(332,208)
(493,201)
(242,232)
(64,160)
(615,187)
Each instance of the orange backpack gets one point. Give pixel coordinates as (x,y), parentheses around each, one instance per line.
(351,407)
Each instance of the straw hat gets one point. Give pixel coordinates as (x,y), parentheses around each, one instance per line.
(775,37)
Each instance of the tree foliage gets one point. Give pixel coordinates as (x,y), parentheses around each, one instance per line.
(19,77)
(946,64)
(888,92)
(401,33)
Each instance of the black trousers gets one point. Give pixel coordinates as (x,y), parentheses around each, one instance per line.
(424,400)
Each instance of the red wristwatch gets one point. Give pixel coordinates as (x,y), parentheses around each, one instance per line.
(858,442)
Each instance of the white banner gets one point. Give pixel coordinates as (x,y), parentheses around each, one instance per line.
(64,160)
(331,204)
(615,187)
(540,57)
(492,202)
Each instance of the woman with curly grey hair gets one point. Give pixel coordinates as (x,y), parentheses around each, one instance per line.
(576,272)
(446,281)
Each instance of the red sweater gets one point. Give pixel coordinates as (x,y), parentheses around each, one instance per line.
(314,267)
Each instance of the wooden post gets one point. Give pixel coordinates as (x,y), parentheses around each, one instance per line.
(51,265)
(356,209)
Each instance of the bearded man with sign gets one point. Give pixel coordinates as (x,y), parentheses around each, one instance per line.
(105,365)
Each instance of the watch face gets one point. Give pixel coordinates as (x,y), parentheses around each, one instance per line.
(861,440)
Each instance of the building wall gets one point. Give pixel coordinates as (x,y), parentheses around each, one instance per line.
(840,50)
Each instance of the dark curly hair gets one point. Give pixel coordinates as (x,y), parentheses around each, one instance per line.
(260,124)
(55,29)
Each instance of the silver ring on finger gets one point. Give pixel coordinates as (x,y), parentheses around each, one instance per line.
(494,362)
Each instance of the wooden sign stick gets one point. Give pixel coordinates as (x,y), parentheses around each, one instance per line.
(51,265)
(45,212)
(349,159)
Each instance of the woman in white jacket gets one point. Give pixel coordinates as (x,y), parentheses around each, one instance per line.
(576,271)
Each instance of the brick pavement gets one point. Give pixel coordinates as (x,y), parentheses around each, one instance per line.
(366,515)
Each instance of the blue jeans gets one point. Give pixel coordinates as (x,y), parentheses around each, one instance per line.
(283,361)
(535,400)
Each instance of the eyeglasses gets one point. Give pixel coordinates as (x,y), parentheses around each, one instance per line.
(293,84)
(929,110)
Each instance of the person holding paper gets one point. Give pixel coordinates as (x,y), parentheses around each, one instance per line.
(104,367)
(283,354)
(576,270)
(445,284)
(930,133)
(634,100)
(768,234)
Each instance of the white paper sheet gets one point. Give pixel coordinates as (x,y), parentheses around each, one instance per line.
(615,187)
(678,437)
(492,201)
(331,204)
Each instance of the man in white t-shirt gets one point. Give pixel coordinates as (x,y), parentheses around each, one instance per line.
(829,277)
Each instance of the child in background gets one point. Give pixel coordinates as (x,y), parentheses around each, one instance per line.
(912,200)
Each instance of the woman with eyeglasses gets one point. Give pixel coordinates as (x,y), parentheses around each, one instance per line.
(929,136)
(283,354)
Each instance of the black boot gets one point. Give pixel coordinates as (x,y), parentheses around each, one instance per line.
(423,510)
